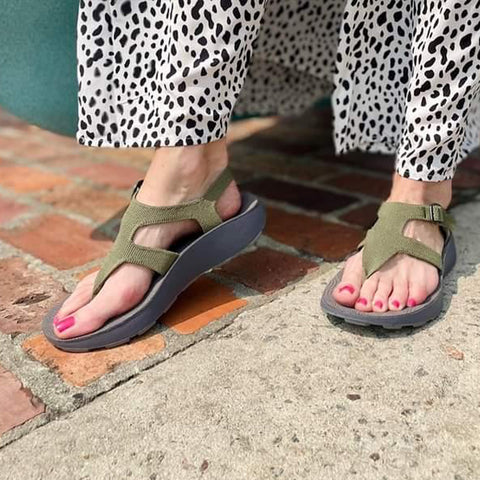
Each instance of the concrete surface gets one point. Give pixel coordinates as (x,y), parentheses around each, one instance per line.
(283,393)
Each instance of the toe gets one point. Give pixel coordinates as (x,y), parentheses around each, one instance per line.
(417,292)
(80,297)
(348,289)
(380,299)
(398,298)
(365,299)
(110,302)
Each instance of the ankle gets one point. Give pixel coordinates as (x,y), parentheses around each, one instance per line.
(406,190)
(180,174)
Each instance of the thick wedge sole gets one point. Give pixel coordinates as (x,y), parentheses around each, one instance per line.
(195,258)
(409,317)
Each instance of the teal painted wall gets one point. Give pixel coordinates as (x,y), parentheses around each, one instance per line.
(38,62)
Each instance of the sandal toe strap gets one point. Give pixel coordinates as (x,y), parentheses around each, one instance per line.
(386,238)
(125,250)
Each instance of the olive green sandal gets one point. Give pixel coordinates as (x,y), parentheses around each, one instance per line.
(175,269)
(384,241)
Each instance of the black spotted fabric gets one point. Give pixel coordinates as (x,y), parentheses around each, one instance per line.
(408,82)
(404,73)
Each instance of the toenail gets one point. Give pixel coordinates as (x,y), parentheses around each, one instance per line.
(362,300)
(379,304)
(348,288)
(56,319)
(412,303)
(64,324)
(396,304)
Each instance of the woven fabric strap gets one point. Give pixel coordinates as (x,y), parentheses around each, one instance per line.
(386,238)
(139,215)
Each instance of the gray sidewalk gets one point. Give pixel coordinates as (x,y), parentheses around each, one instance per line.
(283,393)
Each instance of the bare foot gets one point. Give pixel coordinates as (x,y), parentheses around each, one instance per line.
(403,281)
(176,175)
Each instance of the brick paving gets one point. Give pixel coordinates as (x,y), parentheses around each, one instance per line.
(60,206)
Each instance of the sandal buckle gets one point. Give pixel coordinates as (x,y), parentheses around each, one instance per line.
(436,213)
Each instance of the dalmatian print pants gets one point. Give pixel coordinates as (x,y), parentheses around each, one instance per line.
(403,75)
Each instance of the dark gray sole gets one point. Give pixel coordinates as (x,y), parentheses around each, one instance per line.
(408,317)
(201,255)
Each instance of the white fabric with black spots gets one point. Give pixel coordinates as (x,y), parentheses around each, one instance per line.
(404,73)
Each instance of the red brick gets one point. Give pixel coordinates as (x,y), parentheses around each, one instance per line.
(26,295)
(328,240)
(319,117)
(37,151)
(356,182)
(17,404)
(8,143)
(242,176)
(274,164)
(299,195)
(267,270)
(138,157)
(112,174)
(287,140)
(472,162)
(67,161)
(95,203)
(9,209)
(81,369)
(25,179)
(465,180)
(57,240)
(69,143)
(202,303)
(364,216)
(370,161)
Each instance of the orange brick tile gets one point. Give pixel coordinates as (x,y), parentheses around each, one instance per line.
(328,240)
(25,179)
(95,203)
(80,369)
(109,173)
(202,303)
(17,404)
(58,241)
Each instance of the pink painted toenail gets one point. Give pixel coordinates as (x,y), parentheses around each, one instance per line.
(362,300)
(56,319)
(379,304)
(396,304)
(64,324)
(348,288)
(412,303)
